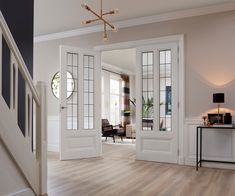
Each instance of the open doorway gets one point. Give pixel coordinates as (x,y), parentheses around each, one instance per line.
(157,109)
(118,99)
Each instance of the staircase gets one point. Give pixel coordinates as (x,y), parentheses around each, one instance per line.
(25,143)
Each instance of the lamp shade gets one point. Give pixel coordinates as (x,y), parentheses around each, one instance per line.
(218,98)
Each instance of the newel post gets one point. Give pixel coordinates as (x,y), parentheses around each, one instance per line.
(41,137)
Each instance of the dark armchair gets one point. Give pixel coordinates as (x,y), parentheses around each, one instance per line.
(110,130)
(107,129)
(120,131)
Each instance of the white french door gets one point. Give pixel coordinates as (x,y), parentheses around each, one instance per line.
(157,103)
(80,135)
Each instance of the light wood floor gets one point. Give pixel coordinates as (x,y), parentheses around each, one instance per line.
(117,173)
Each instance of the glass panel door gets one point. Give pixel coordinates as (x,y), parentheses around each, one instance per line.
(72,90)
(88,68)
(165,89)
(147,91)
(157,109)
(79,114)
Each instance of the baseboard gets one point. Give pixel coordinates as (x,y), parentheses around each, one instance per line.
(211,165)
(53,148)
(181,161)
(24,192)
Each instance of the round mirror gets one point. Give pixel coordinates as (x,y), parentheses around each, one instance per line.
(55,85)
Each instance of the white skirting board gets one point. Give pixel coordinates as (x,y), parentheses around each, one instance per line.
(24,192)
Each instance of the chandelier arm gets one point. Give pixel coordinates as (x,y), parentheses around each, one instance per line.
(111,26)
(101,18)
(93,20)
(108,13)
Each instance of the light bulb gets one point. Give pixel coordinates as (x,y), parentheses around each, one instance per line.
(105,38)
(83,5)
(116,11)
(115,29)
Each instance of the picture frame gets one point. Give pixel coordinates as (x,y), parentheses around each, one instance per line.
(213,118)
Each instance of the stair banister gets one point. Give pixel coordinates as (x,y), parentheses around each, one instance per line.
(22,66)
(34,168)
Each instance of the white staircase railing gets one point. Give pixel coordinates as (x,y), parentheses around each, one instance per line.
(31,158)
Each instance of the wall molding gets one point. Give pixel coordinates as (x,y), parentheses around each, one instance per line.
(24,192)
(115,68)
(189,159)
(140,21)
(139,43)
(53,132)
(53,148)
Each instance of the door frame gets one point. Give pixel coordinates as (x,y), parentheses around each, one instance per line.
(181,76)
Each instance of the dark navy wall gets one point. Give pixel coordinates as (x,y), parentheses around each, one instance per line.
(19,17)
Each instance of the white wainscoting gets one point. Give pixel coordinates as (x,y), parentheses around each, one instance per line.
(53,133)
(217,145)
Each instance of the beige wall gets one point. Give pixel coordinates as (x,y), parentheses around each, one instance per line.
(209,57)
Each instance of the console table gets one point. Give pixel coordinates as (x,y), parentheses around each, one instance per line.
(199,153)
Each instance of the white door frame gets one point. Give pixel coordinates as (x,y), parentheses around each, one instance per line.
(174,38)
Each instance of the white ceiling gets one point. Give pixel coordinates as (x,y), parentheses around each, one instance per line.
(53,16)
(123,61)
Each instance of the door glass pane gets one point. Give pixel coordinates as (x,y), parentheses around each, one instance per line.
(165,90)
(88,88)
(147,90)
(72,91)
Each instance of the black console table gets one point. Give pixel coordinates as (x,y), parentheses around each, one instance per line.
(199,132)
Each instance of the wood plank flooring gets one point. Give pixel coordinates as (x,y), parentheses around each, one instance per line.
(117,173)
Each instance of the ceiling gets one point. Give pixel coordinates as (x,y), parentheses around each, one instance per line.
(123,61)
(53,16)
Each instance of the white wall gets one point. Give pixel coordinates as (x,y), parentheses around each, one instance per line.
(11,180)
(209,56)
(209,60)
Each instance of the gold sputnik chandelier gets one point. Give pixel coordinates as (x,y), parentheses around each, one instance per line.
(101,17)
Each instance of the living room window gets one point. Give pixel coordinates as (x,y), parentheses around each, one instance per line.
(111,97)
(115,100)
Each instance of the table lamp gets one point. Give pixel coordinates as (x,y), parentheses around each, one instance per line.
(218,98)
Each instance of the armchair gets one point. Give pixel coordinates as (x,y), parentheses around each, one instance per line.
(108,130)
(120,131)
